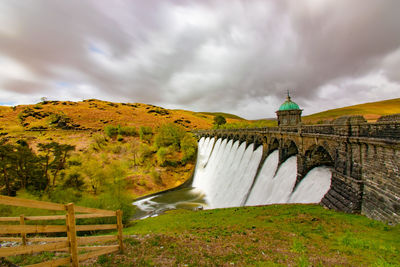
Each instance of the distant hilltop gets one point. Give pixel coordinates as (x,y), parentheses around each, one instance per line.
(370,111)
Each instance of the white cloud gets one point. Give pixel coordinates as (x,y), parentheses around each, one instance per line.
(232,56)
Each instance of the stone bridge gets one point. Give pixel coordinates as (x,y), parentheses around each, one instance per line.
(364,158)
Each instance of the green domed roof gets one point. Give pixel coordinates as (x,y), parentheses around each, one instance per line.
(289,105)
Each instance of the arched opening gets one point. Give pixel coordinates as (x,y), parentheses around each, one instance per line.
(287,150)
(317,156)
(274,145)
(256,140)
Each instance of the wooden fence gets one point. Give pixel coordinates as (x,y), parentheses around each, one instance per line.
(71,244)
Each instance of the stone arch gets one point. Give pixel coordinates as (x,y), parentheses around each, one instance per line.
(242,138)
(258,141)
(288,149)
(274,144)
(317,155)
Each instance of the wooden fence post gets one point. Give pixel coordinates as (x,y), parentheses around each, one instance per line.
(119,226)
(23,235)
(71,233)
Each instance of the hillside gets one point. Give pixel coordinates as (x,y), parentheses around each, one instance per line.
(95,114)
(97,156)
(371,111)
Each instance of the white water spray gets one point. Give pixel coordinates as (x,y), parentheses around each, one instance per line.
(229,173)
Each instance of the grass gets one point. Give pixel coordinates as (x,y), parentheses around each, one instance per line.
(276,235)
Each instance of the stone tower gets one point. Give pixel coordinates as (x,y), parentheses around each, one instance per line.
(289,113)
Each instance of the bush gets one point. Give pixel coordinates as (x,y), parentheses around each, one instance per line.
(169,135)
(65,195)
(111,131)
(127,131)
(99,141)
(162,155)
(59,120)
(144,152)
(189,147)
(74,180)
(145,133)
(109,201)
(156,177)
(219,120)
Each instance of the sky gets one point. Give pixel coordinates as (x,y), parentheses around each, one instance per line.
(230,56)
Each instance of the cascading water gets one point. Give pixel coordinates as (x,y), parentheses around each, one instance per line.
(226,176)
(313,187)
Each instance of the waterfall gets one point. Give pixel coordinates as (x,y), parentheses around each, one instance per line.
(230,174)
(313,187)
(226,171)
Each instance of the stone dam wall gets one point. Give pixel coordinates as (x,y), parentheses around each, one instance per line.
(364,158)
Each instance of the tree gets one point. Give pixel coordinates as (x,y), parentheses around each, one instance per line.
(53,159)
(219,120)
(27,168)
(169,135)
(7,168)
(189,147)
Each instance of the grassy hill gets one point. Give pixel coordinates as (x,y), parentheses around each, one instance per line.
(95,114)
(371,111)
(275,235)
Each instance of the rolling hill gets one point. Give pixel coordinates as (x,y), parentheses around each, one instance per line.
(95,114)
(371,111)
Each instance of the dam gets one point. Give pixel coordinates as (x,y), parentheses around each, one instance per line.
(348,165)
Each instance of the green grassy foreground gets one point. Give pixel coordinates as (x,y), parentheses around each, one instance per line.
(276,235)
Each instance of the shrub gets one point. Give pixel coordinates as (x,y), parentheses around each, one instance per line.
(74,180)
(219,120)
(144,152)
(162,155)
(156,176)
(59,120)
(110,201)
(111,131)
(99,141)
(169,135)
(127,131)
(65,195)
(189,147)
(145,133)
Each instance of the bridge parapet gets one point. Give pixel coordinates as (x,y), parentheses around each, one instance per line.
(380,130)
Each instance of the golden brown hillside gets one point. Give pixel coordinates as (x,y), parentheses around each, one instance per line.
(95,114)
(371,111)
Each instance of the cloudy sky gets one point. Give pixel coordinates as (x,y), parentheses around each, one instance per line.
(222,55)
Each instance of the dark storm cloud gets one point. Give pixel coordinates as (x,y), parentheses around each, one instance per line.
(236,56)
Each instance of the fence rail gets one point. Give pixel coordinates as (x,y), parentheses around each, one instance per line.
(71,243)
